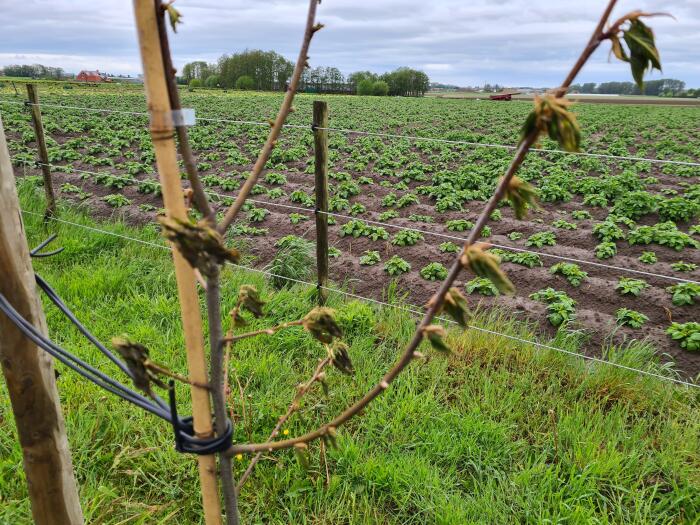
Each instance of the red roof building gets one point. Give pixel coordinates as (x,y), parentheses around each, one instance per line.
(90,76)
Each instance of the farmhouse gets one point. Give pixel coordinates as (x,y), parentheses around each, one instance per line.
(91,76)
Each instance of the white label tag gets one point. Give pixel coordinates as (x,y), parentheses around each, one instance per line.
(184,117)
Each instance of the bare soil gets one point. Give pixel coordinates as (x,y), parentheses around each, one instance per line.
(597,300)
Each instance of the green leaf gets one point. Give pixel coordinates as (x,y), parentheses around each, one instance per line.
(340,358)
(321,323)
(643,53)
(436,334)
(521,195)
(487,265)
(530,124)
(617,49)
(174,16)
(456,306)
(301,450)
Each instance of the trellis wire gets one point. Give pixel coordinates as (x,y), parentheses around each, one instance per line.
(411,309)
(413,138)
(408,228)
(509,147)
(516,249)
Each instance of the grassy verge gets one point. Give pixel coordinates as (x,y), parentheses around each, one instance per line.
(500,432)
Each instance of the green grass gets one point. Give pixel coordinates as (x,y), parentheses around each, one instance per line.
(497,433)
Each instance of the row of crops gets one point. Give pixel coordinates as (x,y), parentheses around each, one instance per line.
(623,214)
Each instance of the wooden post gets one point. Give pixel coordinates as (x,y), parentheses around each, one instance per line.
(162,133)
(43,153)
(321,190)
(29,372)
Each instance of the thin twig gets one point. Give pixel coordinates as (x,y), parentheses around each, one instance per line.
(265,331)
(275,130)
(227,359)
(293,407)
(438,300)
(159,369)
(244,406)
(324,460)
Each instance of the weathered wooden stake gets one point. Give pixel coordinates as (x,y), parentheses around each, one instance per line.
(43,152)
(29,372)
(321,167)
(162,134)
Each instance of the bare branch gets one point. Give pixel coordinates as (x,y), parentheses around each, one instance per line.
(276,128)
(212,288)
(293,407)
(265,331)
(437,301)
(199,195)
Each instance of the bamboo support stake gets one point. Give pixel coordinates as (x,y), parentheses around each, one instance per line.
(321,191)
(162,133)
(29,372)
(43,152)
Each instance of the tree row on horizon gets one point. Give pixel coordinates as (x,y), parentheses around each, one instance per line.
(270,71)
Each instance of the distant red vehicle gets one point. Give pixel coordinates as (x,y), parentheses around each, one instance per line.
(91,76)
(503,96)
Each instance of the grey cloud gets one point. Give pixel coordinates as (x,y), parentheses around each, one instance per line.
(512,42)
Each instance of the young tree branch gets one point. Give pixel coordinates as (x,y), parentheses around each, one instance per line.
(293,407)
(265,331)
(199,195)
(438,300)
(275,130)
(216,373)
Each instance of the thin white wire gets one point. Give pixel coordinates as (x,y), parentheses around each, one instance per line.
(413,309)
(391,135)
(253,123)
(508,147)
(145,114)
(408,228)
(516,249)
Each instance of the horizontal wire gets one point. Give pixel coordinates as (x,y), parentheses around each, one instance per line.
(146,114)
(413,309)
(516,249)
(408,228)
(509,147)
(414,138)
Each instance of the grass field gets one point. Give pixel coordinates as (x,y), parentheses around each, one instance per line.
(499,432)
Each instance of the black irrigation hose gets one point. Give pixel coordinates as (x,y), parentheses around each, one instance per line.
(55,299)
(50,292)
(76,364)
(35,251)
(185,438)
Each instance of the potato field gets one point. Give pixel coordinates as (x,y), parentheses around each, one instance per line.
(613,252)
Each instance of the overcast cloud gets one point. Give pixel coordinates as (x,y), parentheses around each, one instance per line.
(510,42)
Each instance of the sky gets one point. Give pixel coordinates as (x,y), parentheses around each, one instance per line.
(508,42)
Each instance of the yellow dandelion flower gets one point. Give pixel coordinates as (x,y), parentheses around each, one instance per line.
(239,457)
(285,432)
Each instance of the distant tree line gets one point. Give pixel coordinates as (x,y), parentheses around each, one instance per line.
(403,82)
(665,87)
(33,71)
(270,71)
